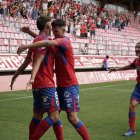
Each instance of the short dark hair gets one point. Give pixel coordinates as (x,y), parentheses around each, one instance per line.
(58,23)
(41,22)
(138,43)
(107,56)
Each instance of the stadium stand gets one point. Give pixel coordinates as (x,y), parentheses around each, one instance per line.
(107,42)
(116,40)
(110,41)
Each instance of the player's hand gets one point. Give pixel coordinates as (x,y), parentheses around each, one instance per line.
(112,70)
(25,29)
(21,49)
(29,84)
(12,82)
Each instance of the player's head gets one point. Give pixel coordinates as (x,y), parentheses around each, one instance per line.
(137,49)
(58,27)
(44,24)
(107,57)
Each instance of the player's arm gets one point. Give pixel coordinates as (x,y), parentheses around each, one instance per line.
(28,31)
(36,65)
(23,66)
(128,67)
(45,43)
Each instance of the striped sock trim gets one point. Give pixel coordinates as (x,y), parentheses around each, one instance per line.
(79,125)
(49,121)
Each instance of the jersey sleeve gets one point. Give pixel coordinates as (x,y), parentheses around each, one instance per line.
(133,64)
(63,42)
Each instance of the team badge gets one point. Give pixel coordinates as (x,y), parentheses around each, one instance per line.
(44,99)
(66,94)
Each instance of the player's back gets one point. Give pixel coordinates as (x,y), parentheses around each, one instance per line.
(44,77)
(64,63)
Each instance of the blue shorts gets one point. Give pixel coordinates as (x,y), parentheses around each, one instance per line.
(69,98)
(136,93)
(45,100)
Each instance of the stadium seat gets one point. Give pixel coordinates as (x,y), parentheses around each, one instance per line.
(6,42)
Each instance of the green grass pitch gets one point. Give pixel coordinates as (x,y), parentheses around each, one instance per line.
(104,109)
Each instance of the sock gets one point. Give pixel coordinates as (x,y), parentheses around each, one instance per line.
(42,128)
(58,130)
(132,119)
(33,125)
(82,130)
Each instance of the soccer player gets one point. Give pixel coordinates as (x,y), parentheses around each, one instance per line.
(44,91)
(67,84)
(135,97)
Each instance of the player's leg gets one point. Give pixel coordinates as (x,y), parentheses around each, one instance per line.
(78,125)
(132,118)
(45,124)
(37,117)
(58,130)
(37,113)
(58,127)
(69,101)
(49,104)
(134,101)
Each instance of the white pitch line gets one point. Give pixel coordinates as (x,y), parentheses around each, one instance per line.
(26,97)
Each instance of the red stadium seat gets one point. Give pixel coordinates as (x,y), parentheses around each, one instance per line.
(1,41)
(6,42)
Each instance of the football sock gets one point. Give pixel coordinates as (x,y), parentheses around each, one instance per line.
(42,128)
(58,130)
(82,130)
(132,119)
(33,125)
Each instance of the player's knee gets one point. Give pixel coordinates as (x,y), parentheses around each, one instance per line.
(38,116)
(54,116)
(132,107)
(73,119)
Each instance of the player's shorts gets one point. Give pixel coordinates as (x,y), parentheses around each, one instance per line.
(45,100)
(136,93)
(69,98)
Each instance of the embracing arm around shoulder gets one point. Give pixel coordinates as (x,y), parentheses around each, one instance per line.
(44,43)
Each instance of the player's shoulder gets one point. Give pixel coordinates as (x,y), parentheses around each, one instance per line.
(137,60)
(66,39)
(37,38)
(41,37)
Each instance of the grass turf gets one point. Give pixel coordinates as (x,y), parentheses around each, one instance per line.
(104,109)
